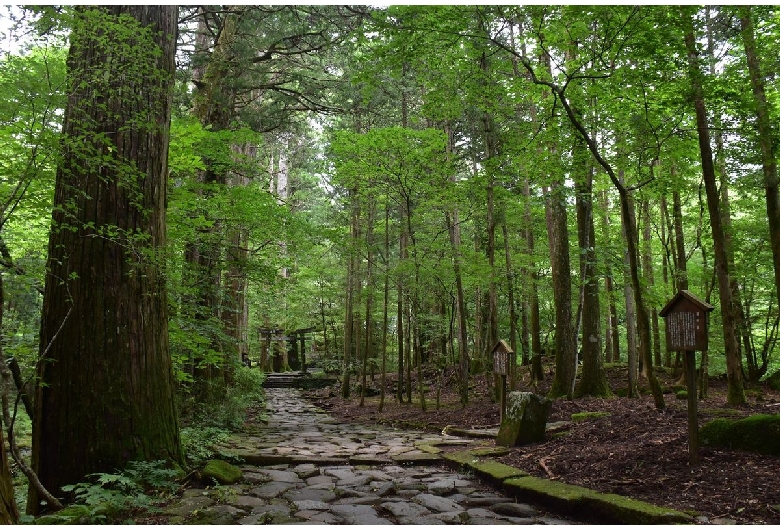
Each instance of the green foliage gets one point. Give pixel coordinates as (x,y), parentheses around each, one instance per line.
(108,495)
(583,416)
(199,443)
(230,413)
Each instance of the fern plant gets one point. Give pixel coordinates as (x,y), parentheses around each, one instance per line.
(140,485)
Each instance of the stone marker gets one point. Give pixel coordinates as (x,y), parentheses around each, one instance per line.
(525,420)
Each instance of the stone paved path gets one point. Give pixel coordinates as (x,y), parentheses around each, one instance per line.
(305,468)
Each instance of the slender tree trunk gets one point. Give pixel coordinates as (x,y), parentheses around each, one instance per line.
(400,319)
(510,293)
(9,513)
(385,303)
(766,141)
(647,266)
(629,224)
(736,391)
(367,345)
(350,330)
(613,349)
(106,392)
(453,226)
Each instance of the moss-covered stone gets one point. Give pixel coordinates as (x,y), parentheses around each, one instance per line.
(759,433)
(460,457)
(490,451)
(222,472)
(428,448)
(773,381)
(589,504)
(525,419)
(495,472)
(558,496)
(625,510)
(681,394)
(582,416)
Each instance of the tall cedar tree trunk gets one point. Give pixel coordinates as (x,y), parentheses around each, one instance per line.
(453,227)
(350,329)
(612,345)
(766,135)
(643,321)
(565,334)
(213,105)
(736,390)
(530,314)
(106,392)
(367,344)
(665,262)
(632,349)
(647,266)
(386,300)
(9,513)
(535,327)
(594,378)
(510,298)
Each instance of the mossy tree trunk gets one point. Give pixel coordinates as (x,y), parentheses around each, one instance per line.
(106,384)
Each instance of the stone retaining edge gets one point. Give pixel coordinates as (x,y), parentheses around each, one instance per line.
(574,500)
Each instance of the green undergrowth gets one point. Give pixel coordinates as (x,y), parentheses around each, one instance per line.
(111,497)
(583,416)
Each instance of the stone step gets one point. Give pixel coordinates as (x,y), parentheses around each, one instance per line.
(282,380)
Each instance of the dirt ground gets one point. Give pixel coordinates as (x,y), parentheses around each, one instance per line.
(635,450)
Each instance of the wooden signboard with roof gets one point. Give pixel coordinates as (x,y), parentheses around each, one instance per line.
(501,367)
(687,318)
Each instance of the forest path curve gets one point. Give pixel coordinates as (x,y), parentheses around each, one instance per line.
(305,467)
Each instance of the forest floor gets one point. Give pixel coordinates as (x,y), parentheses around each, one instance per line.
(635,450)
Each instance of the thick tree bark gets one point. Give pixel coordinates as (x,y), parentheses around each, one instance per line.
(106,392)
(594,379)
(736,391)
(565,335)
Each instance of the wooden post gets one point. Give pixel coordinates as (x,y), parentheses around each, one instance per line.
(501,366)
(503,397)
(302,338)
(693,418)
(686,330)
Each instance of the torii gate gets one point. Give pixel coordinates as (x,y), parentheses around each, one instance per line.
(278,361)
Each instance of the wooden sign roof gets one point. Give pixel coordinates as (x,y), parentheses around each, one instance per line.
(683,296)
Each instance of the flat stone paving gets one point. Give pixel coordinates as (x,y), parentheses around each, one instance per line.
(305,468)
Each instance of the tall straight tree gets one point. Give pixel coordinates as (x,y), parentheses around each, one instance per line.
(767,137)
(106,383)
(736,390)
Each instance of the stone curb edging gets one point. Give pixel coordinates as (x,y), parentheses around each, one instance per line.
(558,496)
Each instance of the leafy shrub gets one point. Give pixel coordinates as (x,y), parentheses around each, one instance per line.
(140,485)
(230,411)
(199,443)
